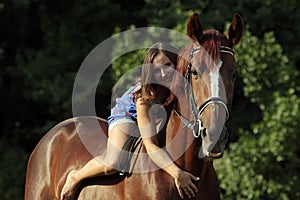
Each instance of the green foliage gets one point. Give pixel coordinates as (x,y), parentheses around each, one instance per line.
(263,164)
(266,68)
(127,70)
(280,16)
(175,10)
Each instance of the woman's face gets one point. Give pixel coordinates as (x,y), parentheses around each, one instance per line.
(163,70)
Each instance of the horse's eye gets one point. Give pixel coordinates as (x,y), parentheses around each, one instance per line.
(234,75)
(194,72)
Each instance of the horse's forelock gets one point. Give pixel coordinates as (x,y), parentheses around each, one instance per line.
(211,42)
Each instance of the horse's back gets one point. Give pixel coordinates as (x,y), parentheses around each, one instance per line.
(70,145)
(63,148)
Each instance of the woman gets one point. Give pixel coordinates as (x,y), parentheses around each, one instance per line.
(133,112)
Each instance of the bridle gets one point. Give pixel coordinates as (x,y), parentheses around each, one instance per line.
(196,125)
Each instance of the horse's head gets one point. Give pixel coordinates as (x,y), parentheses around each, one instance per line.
(209,67)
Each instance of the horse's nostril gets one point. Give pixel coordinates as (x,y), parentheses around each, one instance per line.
(203,132)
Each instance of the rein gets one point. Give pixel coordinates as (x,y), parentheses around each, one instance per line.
(196,125)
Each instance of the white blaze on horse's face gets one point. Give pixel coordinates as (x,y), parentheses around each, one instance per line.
(217,110)
(214,79)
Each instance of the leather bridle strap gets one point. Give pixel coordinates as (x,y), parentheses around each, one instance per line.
(196,124)
(214,100)
(225,49)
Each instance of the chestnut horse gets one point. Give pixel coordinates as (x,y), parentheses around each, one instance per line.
(193,123)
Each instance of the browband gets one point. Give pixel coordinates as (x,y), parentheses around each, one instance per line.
(223,49)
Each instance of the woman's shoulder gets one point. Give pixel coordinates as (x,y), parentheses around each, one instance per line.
(137,87)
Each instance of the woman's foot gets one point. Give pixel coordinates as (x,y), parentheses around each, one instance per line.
(69,189)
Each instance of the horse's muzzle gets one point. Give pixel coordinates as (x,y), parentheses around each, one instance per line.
(218,150)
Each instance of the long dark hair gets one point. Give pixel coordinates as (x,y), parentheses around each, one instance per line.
(147,91)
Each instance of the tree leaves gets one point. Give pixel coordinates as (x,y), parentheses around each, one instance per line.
(264,158)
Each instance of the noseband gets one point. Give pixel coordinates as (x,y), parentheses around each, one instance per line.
(196,125)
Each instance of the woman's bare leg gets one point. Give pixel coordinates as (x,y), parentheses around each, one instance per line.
(97,166)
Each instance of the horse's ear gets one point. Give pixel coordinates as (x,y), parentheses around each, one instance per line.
(236,29)
(194,28)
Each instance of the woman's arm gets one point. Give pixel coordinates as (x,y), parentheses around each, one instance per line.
(161,158)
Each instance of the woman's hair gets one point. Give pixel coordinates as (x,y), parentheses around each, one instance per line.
(147,91)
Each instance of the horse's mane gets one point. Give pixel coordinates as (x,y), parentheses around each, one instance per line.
(210,43)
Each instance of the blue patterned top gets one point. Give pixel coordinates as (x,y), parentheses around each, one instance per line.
(125,107)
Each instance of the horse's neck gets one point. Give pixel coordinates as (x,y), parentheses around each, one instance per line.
(163,92)
(181,144)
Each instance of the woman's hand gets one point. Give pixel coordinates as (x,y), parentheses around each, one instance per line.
(184,184)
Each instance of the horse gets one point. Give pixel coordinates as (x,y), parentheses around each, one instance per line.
(191,123)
